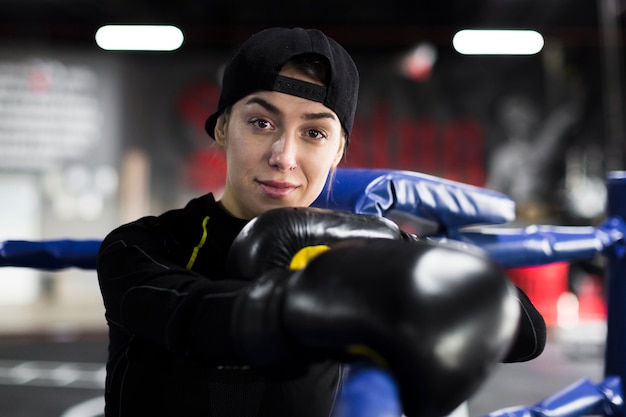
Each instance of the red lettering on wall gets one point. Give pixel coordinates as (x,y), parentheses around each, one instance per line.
(197,101)
(451,149)
(416,145)
(379,148)
(464,150)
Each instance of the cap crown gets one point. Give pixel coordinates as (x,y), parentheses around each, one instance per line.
(257,63)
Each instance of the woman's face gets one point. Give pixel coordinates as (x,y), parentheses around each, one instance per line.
(279,150)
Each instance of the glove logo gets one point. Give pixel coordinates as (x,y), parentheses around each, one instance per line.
(306,255)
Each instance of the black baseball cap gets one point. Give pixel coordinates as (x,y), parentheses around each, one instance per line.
(257,62)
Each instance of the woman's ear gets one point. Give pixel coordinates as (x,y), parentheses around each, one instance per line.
(220,129)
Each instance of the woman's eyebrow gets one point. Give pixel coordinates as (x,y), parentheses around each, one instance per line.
(275,110)
(265,104)
(317,116)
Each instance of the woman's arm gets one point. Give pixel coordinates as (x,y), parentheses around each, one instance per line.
(148,294)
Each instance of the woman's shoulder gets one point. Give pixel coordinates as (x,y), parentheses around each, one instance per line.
(170,220)
(196,208)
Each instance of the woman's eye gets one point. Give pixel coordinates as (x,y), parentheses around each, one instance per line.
(261,123)
(315,134)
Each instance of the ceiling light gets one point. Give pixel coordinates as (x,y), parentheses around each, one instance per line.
(497,42)
(139,38)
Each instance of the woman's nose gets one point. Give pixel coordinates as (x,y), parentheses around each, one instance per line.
(283,154)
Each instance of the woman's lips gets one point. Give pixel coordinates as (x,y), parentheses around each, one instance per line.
(277,188)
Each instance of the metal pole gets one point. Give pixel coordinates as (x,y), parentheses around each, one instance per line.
(615,356)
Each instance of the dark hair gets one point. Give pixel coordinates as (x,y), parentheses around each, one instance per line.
(315,66)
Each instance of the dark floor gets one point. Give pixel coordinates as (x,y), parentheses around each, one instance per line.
(47,377)
(44,376)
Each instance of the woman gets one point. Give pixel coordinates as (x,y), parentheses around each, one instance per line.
(286,109)
(280,148)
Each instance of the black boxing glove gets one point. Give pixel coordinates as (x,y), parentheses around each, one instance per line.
(274,238)
(531,334)
(437,318)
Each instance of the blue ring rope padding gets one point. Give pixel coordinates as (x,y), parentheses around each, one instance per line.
(541,245)
(50,254)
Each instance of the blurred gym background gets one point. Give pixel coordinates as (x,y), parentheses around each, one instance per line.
(91,138)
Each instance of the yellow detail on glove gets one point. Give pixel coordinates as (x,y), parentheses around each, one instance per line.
(305,255)
(368,352)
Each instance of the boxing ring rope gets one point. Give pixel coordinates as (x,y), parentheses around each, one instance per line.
(458,213)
